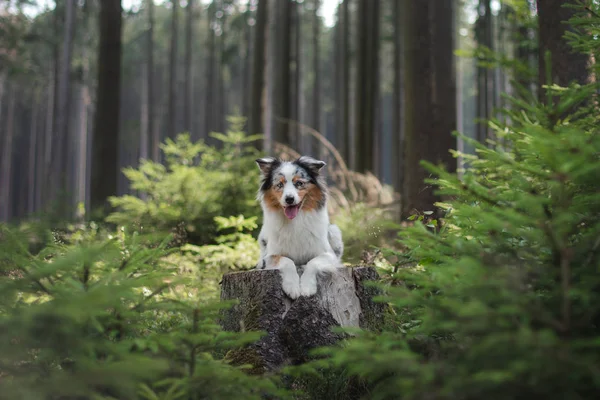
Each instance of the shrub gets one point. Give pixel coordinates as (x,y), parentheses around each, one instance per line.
(198,183)
(107,318)
(503,301)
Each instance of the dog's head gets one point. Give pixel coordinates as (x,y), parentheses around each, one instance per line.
(291,187)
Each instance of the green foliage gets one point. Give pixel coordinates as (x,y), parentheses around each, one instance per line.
(363,227)
(500,299)
(198,183)
(103,316)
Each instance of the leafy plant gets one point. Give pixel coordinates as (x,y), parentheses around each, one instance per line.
(106,317)
(198,183)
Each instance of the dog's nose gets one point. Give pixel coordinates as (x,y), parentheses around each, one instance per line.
(289,200)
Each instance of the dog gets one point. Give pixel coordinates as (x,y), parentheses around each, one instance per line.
(296,229)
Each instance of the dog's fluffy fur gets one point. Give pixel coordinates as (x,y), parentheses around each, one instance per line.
(296,229)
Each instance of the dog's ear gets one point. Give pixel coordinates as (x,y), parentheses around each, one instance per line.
(312,164)
(266,164)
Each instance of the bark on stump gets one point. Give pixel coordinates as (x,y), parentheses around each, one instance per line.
(294,327)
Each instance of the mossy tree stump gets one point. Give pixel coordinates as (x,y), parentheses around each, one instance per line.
(294,327)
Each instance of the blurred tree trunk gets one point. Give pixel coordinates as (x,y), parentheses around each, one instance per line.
(485,79)
(7,152)
(61,155)
(172,124)
(316,95)
(222,66)
(281,104)
(149,140)
(444,85)
(106,122)
(258,62)
(566,65)
(297,77)
(33,144)
(247,63)
(270,79)
(367,83)
(188,104)
(418,129)
(344,128)
(397,150)
(210,62)
(430,91)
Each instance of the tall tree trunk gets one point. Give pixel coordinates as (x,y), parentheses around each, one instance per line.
(255,124)
(270,79)
(284,48)
(210,74)
(247,64)
(444,84)
(33,144)
(397,114)
(172,127)
(566,65)
(6,163)
(61,155)
(106,121)
(316,95)
(367,84)
(152,131)
(344,127)
(221,91)
(187,108)
(429,119)
(297,87)
(147,106)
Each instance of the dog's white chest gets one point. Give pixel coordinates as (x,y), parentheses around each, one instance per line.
(300,239)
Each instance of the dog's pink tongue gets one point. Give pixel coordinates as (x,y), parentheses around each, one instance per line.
(291,211)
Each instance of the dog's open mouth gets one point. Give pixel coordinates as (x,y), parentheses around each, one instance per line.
(291,211)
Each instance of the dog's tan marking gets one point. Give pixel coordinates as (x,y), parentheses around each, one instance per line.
(312,198)
(275,260)
(271,199)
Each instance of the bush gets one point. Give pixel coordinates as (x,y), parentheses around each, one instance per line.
(106,317)
(502,300)
(198,183)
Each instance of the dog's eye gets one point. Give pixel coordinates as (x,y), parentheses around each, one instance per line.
(279,185)
(299,184)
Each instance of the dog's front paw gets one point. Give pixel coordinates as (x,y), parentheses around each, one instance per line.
(292,289)
(308,286)
(290,281)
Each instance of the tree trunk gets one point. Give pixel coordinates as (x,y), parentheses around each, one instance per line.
(33,144)
(367,84)
(566,65)
(6,164)
(444,84)
(172,124)
(316,95)
(147,76)
(293,328)
(61,155)
(187,108)
(106,121)
(344,127)
(298,94)
(418,118)
(210,61)
(152,126)
(255,124)
(397,112)
(284,48)
(220,94)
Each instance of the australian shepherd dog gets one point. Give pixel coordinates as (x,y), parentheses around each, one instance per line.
(296,229)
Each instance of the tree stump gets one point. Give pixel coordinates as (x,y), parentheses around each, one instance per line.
(294,327)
